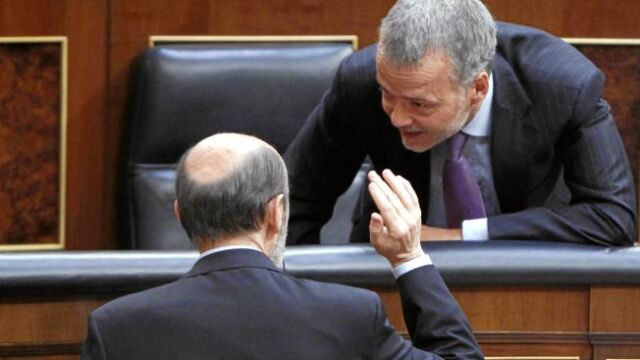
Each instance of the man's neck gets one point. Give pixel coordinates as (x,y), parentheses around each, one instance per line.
(248,241)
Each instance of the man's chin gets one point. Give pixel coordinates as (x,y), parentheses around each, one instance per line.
(416,147)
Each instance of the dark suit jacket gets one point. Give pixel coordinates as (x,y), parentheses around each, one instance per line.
(559,166)
(237,305)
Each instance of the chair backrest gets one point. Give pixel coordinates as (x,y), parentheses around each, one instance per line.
(183,93)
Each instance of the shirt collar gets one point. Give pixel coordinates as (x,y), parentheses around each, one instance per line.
(225,248)
(480,125)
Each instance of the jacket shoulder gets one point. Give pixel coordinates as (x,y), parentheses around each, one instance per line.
(539,57)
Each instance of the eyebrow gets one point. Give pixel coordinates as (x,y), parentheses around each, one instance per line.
(414,99)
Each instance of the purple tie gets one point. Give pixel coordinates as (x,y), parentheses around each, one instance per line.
(462,197)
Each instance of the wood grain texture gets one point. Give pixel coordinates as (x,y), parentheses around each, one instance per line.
(615,309)
(512,309)
(546,351)
(519,309)
(30,123)
(90,211)
(572,18)
(616,352)
(45,320)
(85,25)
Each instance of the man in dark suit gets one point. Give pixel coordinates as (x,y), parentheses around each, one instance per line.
(545,157)
(235,303)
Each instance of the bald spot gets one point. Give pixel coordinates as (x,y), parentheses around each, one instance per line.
(217,156)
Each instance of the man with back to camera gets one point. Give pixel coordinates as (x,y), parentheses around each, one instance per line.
(500,142)
(235,303)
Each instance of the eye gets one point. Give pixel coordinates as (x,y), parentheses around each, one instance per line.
(418,105)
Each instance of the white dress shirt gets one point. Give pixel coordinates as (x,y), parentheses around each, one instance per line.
(223,248)
(402,269)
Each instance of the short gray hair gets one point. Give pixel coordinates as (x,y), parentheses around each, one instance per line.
(463,30)
(234,204)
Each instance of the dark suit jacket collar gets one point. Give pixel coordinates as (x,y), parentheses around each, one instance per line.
(231,259)
(510,135)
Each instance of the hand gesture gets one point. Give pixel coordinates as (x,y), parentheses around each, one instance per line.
(395,231)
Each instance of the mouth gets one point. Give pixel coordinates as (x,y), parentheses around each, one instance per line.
(410,134)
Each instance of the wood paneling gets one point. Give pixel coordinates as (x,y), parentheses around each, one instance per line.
(616,352)
(572,18)
(615,309)
(89,212)
(85,25)
(519,309)
(30,102)
(533,351)
(37,320)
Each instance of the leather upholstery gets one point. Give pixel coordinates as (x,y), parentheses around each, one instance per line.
(183,93)
(461,264)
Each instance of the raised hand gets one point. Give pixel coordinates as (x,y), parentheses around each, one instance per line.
(395,231)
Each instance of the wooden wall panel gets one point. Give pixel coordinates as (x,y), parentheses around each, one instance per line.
(572,18)
(84,23)
(88,209)
(615,309)
(30,100)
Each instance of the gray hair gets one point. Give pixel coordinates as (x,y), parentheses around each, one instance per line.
(463,30)
(234,204)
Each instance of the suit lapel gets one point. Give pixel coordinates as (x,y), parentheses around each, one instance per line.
(510,136)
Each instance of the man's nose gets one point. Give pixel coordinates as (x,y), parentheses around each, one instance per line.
(400,117)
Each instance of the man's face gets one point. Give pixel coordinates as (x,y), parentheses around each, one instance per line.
(423,102)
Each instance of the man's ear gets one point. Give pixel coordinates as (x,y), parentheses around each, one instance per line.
(176,211)
(273,216)
(479,88)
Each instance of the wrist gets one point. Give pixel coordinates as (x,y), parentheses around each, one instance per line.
(404,258)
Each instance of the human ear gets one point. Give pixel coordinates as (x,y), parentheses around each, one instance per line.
(479,88)
(176,211)
(274,216)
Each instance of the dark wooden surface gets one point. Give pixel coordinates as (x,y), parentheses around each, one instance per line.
(105,36)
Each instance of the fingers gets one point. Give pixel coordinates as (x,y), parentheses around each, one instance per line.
(376,225)
(412,193)
(399,186)
(376,229)
(386,199)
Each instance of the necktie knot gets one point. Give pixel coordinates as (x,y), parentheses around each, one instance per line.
(455,145)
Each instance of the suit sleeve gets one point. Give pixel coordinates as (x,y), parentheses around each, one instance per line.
(93,347)
(602,209)
(438,327)
(322,162)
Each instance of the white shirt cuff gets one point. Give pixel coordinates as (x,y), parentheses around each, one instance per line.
(475,230)
(413,264)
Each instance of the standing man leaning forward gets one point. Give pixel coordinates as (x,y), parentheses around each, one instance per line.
(232,200)
(545,157)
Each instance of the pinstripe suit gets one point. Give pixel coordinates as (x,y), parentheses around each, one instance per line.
(559,166)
